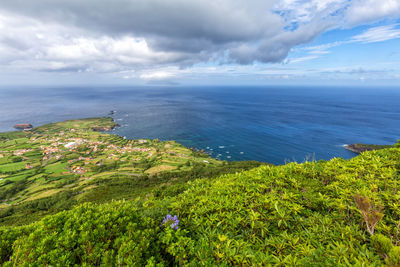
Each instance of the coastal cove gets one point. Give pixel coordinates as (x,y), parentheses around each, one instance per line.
(269,124)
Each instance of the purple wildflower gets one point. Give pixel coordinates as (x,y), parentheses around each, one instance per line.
(171,221)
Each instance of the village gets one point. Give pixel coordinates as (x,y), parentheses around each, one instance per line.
(71,153)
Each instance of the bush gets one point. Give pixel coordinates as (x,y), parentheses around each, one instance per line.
(13,189)
(382,244)
(296,214)
(8,237)
(113,234)
(394,257)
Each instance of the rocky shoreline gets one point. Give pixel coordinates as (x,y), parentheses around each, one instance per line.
(359,148)
(106,128)
(28,126)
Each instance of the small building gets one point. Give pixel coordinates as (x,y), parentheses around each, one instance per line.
(70,145)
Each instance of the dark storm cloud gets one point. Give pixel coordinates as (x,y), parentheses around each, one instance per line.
(119,35)
(218,21)
(189,27)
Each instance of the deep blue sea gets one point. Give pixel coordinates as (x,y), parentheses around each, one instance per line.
(271,124)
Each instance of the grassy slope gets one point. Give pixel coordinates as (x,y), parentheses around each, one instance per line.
(296,214)
(40,175)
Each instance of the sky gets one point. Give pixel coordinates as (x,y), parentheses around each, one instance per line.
(200,42)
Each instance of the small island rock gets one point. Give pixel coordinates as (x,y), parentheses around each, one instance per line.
(23,126)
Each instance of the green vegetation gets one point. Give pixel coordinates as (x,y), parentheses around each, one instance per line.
(56,166)
(325,213)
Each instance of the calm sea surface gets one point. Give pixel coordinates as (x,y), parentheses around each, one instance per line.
(272,124)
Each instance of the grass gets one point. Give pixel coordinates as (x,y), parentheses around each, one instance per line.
(160,168)
(42,194)
(12,167)
(56,168)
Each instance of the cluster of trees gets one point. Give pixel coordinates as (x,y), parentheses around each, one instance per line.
(30,211)
(15,187)
(106,166)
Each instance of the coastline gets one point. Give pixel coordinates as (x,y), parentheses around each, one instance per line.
(110,124)
(359,148)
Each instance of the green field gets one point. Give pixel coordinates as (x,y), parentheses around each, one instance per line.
(12,167)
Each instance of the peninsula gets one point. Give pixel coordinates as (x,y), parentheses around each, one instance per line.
(359,148)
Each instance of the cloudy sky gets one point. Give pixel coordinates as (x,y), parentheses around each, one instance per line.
(197,42)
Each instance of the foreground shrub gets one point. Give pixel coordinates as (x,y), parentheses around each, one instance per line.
(112,234)
(8,237)
(382,244)
(296,214)
(394,257)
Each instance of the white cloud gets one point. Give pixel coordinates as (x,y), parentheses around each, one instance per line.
(371,35)
(151,36)
(364,11)
(378,34)
(158,75)
(306,10)
(302,59)
(57,47)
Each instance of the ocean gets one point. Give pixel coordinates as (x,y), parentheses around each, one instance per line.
(271,124)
